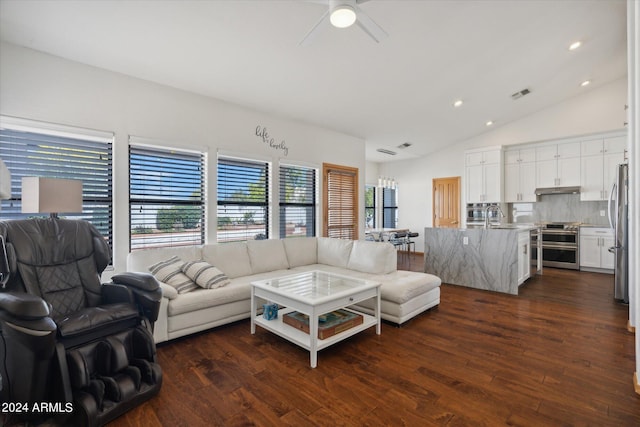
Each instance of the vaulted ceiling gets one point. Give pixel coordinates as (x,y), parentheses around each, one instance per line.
(396,91)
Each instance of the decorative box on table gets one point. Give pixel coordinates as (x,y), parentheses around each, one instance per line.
(328,324)
(270,311)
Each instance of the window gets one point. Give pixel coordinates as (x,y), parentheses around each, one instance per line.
(166,197)
(389,208)
(68,154)
(370,206)
(340,201)
(243,199)
(297,201)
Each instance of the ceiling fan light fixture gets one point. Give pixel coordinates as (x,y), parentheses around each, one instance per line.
(343,16)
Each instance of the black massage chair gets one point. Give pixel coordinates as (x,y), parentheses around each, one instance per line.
(73,351)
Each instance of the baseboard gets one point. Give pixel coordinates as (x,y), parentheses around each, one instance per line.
(636,385)
(630,327)
(411,252)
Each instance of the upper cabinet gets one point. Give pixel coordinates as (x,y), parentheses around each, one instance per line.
(558,165)
(513,174)
(520,175)
(483,176)
(600,158)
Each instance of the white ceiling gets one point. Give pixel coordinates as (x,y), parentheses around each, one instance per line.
(398,90)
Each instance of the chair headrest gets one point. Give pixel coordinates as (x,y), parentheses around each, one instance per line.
(52,241)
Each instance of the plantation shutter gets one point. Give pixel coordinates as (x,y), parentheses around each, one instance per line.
(340,201)
(166,197)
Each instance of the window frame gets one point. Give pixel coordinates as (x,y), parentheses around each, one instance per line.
(370,207)
(389,210)
(157,197)
(312,204)
(64,152)
(258,168)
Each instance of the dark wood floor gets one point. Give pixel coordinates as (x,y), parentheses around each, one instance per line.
(558,354)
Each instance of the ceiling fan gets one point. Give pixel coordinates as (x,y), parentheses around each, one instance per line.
(343,14)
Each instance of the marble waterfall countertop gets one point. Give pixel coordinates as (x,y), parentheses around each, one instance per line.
(481,258)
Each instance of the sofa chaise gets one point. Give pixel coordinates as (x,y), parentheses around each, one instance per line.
(404,294)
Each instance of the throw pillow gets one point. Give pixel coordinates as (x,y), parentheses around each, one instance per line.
(170,272)
(205,274)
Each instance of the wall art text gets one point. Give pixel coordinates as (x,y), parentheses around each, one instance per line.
(261,132)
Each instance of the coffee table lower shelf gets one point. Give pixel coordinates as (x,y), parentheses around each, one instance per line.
(302,339)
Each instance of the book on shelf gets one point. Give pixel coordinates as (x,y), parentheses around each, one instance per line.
(329,324)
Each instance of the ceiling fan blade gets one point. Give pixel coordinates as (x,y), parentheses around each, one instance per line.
(313,33)
(369,26)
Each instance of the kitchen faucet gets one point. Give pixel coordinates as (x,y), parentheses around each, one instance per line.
(489,209)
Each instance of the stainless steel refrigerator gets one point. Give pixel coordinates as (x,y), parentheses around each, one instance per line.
(618,220)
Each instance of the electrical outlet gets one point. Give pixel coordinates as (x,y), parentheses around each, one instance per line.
(465,240)
(602,213)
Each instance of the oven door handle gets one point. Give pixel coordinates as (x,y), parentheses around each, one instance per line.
(556,232)
(569,247)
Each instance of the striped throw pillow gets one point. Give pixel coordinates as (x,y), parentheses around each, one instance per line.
(205,274)
(170,272)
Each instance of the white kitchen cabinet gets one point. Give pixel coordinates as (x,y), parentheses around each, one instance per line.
(594,249)
(520,176)
(483,176)
(524,256)
(558,165)
(600,158)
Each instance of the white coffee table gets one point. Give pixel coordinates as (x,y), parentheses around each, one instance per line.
(313,293)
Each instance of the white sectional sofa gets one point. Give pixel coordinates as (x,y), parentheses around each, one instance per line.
(404,294)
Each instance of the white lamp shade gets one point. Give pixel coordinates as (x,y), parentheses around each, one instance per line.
(51,195)
(5,181)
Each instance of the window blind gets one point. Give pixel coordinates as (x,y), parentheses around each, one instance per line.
(166,197)
(297,201)
(243,199)
(37,153)
(340,202)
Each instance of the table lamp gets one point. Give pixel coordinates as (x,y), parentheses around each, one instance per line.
(51,195)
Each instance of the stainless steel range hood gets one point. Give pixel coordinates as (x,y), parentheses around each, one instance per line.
(557,190)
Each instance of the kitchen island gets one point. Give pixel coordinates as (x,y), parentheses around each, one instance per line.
(493,259)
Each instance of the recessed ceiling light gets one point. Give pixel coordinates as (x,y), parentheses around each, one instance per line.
(489,123)
(585,83)
(575,45)
(457,103)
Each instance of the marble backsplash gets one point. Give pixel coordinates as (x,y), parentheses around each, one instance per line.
(559,208)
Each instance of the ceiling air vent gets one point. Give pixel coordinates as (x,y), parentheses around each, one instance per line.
(520,94)
(389,152)
(404,145)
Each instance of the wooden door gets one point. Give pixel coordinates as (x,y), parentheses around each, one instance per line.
(446,202)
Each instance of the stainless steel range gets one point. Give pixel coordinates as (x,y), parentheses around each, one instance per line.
(560,244)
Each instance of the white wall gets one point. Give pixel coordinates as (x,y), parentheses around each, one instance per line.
(46,88)
(601,109)
(633,58)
